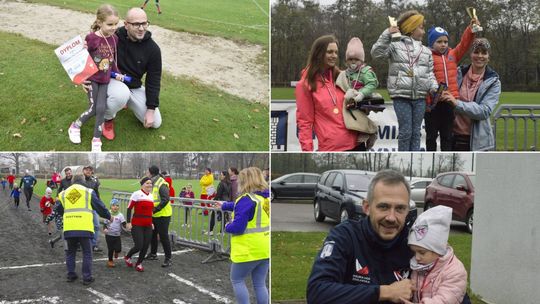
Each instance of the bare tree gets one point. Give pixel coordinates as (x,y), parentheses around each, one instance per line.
(14,159)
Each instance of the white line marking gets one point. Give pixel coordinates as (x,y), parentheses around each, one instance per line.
(79,261)
(105,298)
(43,299)
(201,289)
(262,10)
(176,301)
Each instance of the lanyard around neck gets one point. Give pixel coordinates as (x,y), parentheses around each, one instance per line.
(332,95)
(412,60)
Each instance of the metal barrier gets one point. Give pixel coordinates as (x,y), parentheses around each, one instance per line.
(190,225)
(527,113)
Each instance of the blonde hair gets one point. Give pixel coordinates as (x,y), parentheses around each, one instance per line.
(250,180)
(104,11)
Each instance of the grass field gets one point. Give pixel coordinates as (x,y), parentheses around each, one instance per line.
(293,254)
(240,20)
(39,102)
(199,223)
(513,98)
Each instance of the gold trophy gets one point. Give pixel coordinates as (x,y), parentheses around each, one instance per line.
(472,13)
(395,36)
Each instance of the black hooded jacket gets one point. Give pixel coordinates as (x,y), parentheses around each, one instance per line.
(136,58)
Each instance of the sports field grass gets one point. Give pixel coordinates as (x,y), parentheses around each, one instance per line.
(240,20)
(199,221)
(293,254)
(512,98)
(39,102)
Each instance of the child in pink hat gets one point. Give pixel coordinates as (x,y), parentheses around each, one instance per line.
(358,81)
(438,274)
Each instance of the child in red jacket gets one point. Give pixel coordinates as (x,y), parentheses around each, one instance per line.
(439,117)
(45,205)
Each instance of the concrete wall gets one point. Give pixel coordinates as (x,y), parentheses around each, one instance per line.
(505,261)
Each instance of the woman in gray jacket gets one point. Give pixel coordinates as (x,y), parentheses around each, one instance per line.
(410,75)
(479,91)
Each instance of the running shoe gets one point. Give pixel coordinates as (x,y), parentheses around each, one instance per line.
(151,257)
(74,133)
(166,263)
(108,129)
(110,264)
(139,268)
(96,145)
(128,261)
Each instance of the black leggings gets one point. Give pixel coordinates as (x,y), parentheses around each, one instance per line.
(161,227)
(16,201)
(141,237)
(114,244)
(28,194)
(97,98)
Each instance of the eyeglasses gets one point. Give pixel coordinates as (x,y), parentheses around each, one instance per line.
(139,24)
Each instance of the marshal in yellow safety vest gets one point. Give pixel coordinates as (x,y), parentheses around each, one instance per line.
(167,210)
(78,214)
(254,243)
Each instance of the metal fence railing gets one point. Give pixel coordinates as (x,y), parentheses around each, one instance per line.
(522,121)
(190,225)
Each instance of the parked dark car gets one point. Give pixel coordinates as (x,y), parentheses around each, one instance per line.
(454,190)
(294,186)
(340,193)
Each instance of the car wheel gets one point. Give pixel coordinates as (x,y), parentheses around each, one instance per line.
(317,212)
(469,221)
(343,215)
(272,195)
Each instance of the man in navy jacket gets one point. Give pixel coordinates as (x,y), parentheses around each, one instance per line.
(367,261)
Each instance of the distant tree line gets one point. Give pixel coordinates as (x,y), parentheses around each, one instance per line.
(512,27)
(134,165)
(320,162)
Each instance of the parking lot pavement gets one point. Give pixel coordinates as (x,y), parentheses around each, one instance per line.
(297,216)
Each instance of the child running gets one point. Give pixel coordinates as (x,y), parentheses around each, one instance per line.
(102,48)
(113,230)
(4,183)
(16,194)
(439,276)
(45,206)
(358,81)
(410,75)
(59,221)
(439,116)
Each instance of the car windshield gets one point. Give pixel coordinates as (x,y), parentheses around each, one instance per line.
(357,182)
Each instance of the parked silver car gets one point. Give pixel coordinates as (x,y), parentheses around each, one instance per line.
(418,190)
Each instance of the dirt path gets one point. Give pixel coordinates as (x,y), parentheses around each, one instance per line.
(32,272)
(228,65)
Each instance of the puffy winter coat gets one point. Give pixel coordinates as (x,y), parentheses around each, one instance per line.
(445,65)
(401,83)
(445,283)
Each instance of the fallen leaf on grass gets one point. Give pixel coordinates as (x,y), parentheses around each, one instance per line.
(256,110)
(220,95)
(43,119)
(61,130)
(23,121)
(236,136)
(215,119)
(1,73)
(17,135)
(162,137)
(255,127)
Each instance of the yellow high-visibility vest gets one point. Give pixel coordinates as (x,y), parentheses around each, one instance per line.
(78,214)
(167,210)
(254,243)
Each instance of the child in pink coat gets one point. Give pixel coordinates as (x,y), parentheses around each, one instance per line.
(439,276)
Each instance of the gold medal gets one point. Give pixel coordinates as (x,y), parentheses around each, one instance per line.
(410,73)
(336,111)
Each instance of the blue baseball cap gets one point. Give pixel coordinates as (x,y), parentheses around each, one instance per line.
(434,33)
(115,201)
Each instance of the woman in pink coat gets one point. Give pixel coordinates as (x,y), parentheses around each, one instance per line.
(439,276)
(319,102)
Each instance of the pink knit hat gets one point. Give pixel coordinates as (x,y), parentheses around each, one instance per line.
(355,49)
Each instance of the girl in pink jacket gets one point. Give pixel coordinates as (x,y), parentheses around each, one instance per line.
(439,276)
